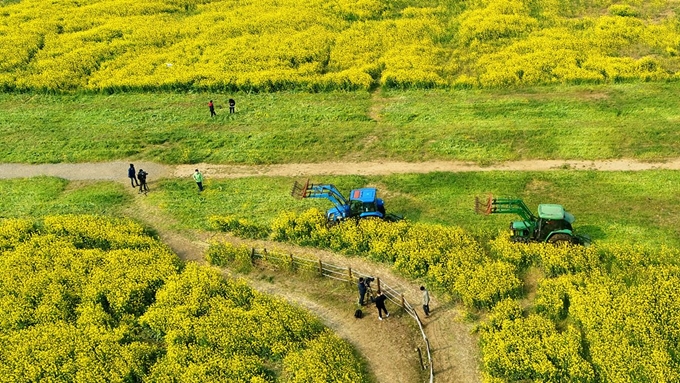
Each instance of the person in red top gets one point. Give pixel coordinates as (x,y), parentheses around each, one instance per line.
(212,109)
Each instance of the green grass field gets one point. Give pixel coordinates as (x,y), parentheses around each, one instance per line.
(630,207)
(41,196)
(638,120)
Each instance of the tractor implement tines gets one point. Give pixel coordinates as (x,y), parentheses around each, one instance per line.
(484,207)
(300,190)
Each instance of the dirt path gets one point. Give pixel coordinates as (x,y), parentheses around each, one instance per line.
(118,170)
(388,346)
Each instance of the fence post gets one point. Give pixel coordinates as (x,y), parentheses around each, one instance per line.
(265,254)
(420,357)
(349,271)
(378,279)
(252,255)
(320,268)
(292,264)
(403,304)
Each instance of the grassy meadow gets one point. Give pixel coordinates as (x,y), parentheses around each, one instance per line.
(626,207)
(41,196)
(637,120)
(620,207)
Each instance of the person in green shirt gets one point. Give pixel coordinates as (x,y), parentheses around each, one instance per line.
(198,177)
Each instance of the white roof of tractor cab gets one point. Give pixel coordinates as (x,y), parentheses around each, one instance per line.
(554,211)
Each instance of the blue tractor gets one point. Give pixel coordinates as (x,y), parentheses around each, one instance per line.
(362,203)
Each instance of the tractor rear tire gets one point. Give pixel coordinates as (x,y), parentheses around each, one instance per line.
(560,238)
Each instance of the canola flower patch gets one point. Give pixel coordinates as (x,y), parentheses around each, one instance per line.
(88,299)
(114,45)
(587,299)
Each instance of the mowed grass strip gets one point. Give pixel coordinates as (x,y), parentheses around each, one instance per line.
(614,207)
(636,120)
(41,196)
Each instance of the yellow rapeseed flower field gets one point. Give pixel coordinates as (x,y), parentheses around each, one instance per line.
(268,45)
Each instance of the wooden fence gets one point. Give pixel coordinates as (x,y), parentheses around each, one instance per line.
(348,275)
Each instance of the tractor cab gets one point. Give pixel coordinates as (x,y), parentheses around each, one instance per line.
(552,224)
(553,219)
(363,203)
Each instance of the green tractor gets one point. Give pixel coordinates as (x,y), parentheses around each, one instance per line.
(553,224)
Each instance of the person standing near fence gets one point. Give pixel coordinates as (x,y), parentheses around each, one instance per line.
(426,301)
(380,305)
(362,291)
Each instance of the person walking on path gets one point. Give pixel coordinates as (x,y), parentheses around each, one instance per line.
(198,177)
(380,304)
(362,290)
(132,175)
(426,301)
(232,105)
(141,176)
(212,109)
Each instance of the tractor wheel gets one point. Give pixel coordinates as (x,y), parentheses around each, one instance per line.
(561,238)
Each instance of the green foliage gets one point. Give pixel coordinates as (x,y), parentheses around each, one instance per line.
(239,227)
(639,207)
(449,257)
(225,254)
(40,196)
(584,122)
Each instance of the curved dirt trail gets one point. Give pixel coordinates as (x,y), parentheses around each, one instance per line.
(117,170)
(388,346)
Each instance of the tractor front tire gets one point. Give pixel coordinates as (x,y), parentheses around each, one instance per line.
(560,238)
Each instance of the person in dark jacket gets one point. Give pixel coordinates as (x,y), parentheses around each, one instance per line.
(132,175)
(141,176)
(211,106)
(361,286)
(232,105)
(380,305)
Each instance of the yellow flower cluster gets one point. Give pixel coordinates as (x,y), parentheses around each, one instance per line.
(628,299)
(93,299)
(112,45)
(445,255)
